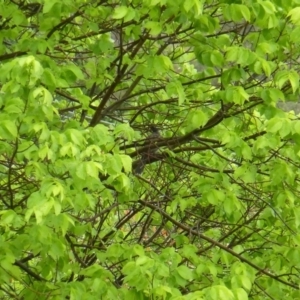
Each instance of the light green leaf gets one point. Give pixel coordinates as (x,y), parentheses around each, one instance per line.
(91,169)
(266,67)
(7,217)
(57,207)
(272,95)
(240,294)
(75,70)
(294,80)
(48,78)
(275,124)
(175,89)
(221,292)
(236,94)
(268,7)
(167,63)
(120,12)
(48,6)
(127,162)
(124,131)
(196,119)
(294,15)
(185,272)
(240,55)
(155,27)
(8,130)
(239,11)
(215,197)
(93,271)
(217,58)
(281,77)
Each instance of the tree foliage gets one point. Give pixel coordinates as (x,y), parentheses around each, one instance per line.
(215,214)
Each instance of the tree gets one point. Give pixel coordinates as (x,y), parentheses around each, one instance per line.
(215,213)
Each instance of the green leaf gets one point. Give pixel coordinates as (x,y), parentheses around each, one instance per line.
(246,173)
(275,124)
(281,77)
(155,27)
(240,55)
(272,95)
(7,217)
(185,272)
(266,67)
(124,131)
(233,74)
(215,197)
(240,294)
(131,14)
(127,163)
(69,149)
(295,34)
(49,79)
(167,63)
(94,271)
(72,72)
(220,292)
(174,89)
(120,12)
(217,58)
(294,80)
(236,94)
(87,169)
(267,47)
(294,15)
(75,136)
(116,250)
(8,130)
(48,6)
(239,11)
(196,119)
(57,208)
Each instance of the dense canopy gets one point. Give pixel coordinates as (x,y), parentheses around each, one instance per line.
(144,153)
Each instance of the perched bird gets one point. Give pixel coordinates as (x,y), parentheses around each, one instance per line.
(149,153)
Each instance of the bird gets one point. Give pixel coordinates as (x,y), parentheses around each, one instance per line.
(146,156)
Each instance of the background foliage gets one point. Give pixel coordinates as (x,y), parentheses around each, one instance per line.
(215,213)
